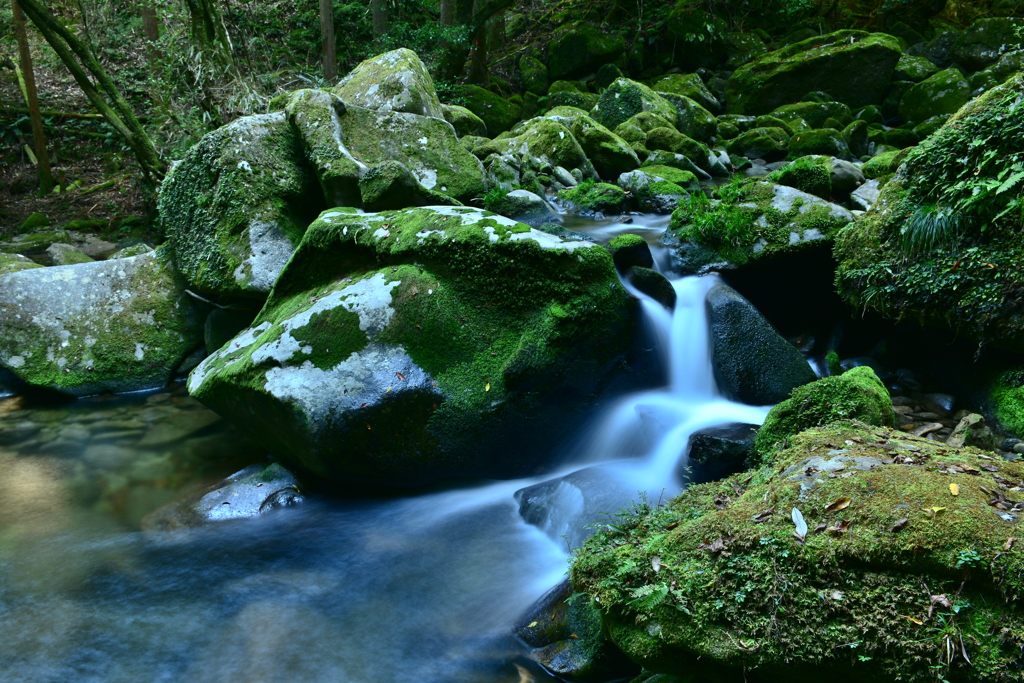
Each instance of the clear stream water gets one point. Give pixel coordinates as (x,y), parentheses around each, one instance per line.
(423,588)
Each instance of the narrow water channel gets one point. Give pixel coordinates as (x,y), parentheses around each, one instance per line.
(423,588)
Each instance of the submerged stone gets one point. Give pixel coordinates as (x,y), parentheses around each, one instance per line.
(412,345)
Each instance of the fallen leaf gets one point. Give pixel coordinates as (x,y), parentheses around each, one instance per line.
(531,624)
(932,511)
(656,564)
(367,425)
(954,489)
(764,516)
(840,504)
(821,527)
(900,524)
(487,387)
(1009,543)
(941,601)
(574,636)
(801,525)
(916,621)
(400,376)
(841,527)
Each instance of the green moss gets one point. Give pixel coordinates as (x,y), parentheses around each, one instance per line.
(592,197)
(855,394)
(734,594)
(1008,400)
(497,113)
(581,50)
(811,174)
(624,99)
(885,163)
(12,263)
(34,222)
(684,179)
(827,141)
(941,244)
(670,140)
(760,143)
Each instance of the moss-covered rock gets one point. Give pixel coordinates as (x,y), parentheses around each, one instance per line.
(62,254)
(855,394)
(407,346)
(885,163)
(1007,401)
(238,203)
(610,154)
(813,114)
(654,192)
(497,113)
(82,329)
(464,121)
(855,136)
(525,207)
(693,120)
(744,47)
(12,263)
(900,138)
(582,50)
(624,99)
(890,571)
(985,40)
(758,220)
(818,141)
(544,139)
(391,185)
(571,98)
(929,126)
(865,60)
(943,93)
(915,69)
(940,244)
(671,140)
(34,222)
(589,197)
(534,74)
(394,81)
(769,144)
(33,243)
(688,85)
(811,174)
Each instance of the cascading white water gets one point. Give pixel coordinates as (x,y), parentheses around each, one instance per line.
(423,588)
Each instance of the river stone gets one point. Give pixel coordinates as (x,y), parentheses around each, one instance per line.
(688,85)
(716,452)
(394,81)
(253,491)
(915,69)
(943,93)
(525,207)
(411,345)
(544,139)
(753,363)
(865,196)
(985,40)
(610,154)
(235,207)
(464,121)
(391,185)
(66,255)
(624,99)
(12,263)
(118,326)
(865,60)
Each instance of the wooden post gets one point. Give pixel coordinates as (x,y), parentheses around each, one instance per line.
(32,101)
(330,58)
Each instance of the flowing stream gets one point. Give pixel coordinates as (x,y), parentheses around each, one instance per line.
(423,588)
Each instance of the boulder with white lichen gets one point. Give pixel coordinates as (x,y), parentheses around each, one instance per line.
(411,345)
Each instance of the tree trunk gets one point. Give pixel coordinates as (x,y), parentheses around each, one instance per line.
(330,58)
(380,17)
(206,23)
(82,63)
(478,58)
(447,13)
(150,26)
(38,138)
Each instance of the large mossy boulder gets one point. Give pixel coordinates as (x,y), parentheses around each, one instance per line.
(394,81)
(758,220)
(12,263)
(941,244)
(582,50)
(610,154)
(688,85)
(982,44)
(693,119)
(893,577)
(855,394)
(120,325)
(237,204)
(464,121)
(942,93)
(753,363)
(768,143)
(408,346)
(624,99)
(497,113)
(864,60)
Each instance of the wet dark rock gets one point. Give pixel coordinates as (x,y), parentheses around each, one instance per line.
(629,251)
(753,363)
(566,638)
(717,452)
(253,491)
(943,404)
(655,285)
